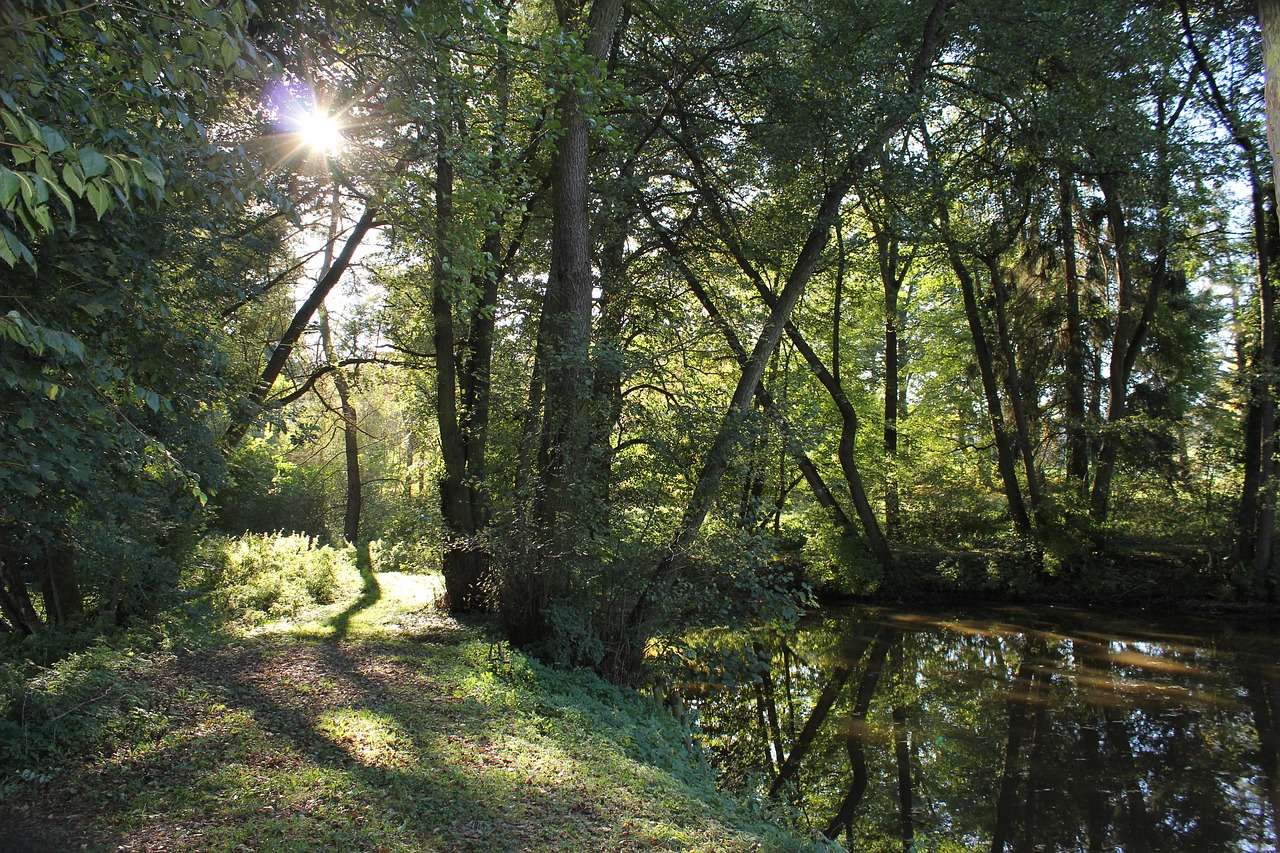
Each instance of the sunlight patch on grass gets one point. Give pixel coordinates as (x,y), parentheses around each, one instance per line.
(401,601)
(370,738)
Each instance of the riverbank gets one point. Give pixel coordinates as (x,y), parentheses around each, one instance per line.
(1192,581)
(374,724)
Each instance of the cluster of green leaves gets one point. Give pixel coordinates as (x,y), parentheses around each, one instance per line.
(79,80)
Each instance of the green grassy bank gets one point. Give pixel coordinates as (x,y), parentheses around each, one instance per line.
(374,723)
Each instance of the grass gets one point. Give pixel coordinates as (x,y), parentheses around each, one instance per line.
(372,724)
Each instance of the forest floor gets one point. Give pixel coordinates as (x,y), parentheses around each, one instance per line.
(377,724)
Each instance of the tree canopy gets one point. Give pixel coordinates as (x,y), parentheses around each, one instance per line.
(634,314)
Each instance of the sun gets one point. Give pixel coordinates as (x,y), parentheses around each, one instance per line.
(320,131)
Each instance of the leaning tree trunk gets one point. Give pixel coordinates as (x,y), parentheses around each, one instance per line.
(764,399)
(297,326)
(624,651)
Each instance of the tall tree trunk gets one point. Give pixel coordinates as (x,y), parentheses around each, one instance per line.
(350,432)
(1073,333)
(1013,384)
(845,450)
(350,426)
(563,381)
(1263,400)
(891,280)
(464,501)
(1256,510)
(1133,319)
(462,563)
(893,272)
(1269,18)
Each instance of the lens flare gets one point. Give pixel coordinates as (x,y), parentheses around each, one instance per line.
(320,131)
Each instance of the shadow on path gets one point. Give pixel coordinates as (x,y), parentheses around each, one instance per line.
(370,594)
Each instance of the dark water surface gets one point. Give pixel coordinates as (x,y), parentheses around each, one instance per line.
(1011,729)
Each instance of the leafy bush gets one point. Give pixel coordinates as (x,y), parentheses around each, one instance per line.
(260,576)
(415,557)
(266,491)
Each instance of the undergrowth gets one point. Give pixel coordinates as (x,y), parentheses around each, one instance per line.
(227,727)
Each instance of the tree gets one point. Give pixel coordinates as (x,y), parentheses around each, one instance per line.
(112,191)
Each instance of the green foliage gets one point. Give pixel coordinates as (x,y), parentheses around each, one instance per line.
(113,197)
(256,577)
(266,491)
(93,100)
(836,562)
(417,557)
(47,714)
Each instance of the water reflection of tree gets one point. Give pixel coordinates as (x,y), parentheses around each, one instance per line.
(916,736)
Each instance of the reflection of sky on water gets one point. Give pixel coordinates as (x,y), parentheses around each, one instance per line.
(1047,729)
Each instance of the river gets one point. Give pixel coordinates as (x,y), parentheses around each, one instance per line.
(1020,729)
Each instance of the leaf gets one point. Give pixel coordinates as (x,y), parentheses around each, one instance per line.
(153,172)
(64,198)
(34,189)
(230,53)
(99,197)
(117,166)
(15,125)
(9,185)
(13,250)
(7,255)
(92,162)
(53,140)
(41,215)
(72,179)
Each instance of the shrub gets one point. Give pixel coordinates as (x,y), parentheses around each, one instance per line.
(260,576)
(413,556)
